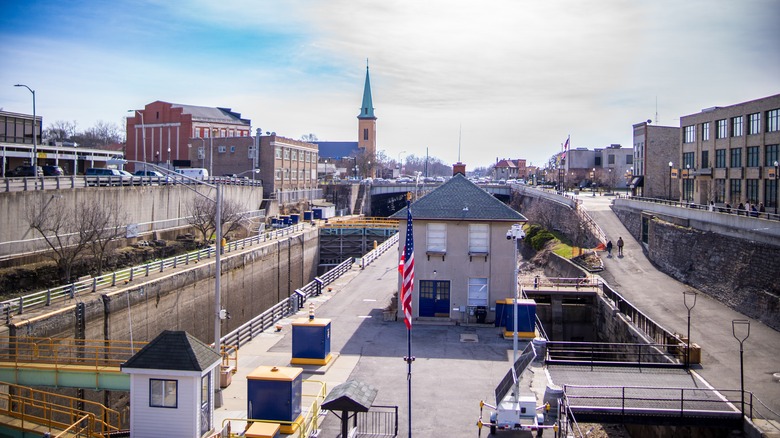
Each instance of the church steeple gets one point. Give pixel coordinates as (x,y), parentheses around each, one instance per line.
(367,109)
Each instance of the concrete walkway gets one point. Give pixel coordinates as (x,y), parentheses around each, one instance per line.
(660,297)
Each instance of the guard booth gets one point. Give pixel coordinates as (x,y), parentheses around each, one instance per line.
(346,400)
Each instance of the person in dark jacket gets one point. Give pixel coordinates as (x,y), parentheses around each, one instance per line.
(609,249)
(620,246)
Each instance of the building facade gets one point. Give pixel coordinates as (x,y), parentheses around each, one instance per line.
(462,257)
(161,132)
(655,147)
(610,167)
(730,154)
(288,166)
(508,168)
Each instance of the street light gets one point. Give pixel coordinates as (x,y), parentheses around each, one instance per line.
(670,179)
(34,135)
(593,182)
(143,138)
(399,162)
(777,189)
(689,306)
(741,339)
(688,188)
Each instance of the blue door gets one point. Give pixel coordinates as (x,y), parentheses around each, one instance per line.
(434,298)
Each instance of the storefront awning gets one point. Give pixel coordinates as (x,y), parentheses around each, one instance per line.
(637,181)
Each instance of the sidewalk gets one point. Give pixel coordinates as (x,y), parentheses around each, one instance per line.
(660,297)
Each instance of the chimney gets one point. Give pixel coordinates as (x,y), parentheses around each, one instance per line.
(458,168)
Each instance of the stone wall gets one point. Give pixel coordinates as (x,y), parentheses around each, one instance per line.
(740,273)
(566,219)
(251,282)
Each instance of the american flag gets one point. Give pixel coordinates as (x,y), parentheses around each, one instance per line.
(565,147)
(406,267)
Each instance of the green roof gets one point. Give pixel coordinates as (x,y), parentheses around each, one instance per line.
(461,199)
(367,109)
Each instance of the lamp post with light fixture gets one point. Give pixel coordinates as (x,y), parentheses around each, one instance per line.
(777,189)
(34,134)
(143,138)
(670,179)
(741,339)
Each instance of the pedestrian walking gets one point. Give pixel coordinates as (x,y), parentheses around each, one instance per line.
(620,246)
(740,208)
(609,249)
(712,205)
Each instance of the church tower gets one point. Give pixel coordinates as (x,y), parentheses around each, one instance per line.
(367,124)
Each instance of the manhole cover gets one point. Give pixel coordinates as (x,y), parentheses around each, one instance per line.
(468,337)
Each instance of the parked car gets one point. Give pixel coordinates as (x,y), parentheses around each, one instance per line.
(22,171)
(104,175)
(150,173)
(53,171)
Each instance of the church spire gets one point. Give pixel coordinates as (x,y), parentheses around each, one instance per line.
(367,109)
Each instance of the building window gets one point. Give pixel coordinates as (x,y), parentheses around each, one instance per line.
(705,159)
(773,120)
(735,190)
(720,190)
(478,292)
(689,134)
(753,159)
(205,390)
(689,160)
(722,129)
(754,123)
(365,133)
(294,174)
(770,193)
(720,158)
(736,126)
(278,173)
(300,156)
(611,159)
(629,159)
(232,149)
(286,174)
(278,153)
(688,189)
(751,190)
(286,153)
(479,238)
(162,393)
(736,157)
(294,156)
(705,131)
(222,149)
(436,234)
(771,155)
(308,157)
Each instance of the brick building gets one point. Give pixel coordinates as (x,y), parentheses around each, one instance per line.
(288,168)
(508,168)
(161,132)
(729,154)
(654,148)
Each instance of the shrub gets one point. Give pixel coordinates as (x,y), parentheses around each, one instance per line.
(540,238)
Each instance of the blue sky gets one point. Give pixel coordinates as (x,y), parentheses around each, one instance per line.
(518,76)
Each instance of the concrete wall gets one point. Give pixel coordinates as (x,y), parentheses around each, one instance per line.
(140,204)
(184,300)
(738,272)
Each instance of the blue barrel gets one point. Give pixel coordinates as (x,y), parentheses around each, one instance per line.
(295,218)
(307,216)
(317,213)
(285,220)
(274,222)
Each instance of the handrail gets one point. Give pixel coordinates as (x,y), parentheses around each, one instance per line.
(78,181)
(46,297)
(716,209)
(612,353)
(67,351)
(379,250)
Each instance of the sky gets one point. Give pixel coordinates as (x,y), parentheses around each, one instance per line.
(469,80)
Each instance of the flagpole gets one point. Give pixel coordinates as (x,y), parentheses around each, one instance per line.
(407,288)
(409,359)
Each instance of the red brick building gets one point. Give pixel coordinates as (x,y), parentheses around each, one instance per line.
(161,132)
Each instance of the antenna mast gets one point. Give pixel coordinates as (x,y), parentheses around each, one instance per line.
(460,128)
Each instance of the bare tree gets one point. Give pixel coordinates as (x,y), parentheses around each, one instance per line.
(63,230)
(60,130)
(542,213)
(309,138)
(103,133)
(203,214)
(109,225)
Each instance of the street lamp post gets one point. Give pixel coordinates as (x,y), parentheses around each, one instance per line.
(689,306)
(593,182)
(688,188)
(34,134)
(777,189)
(399,162)
(741,339)
(143,139)
(670,179)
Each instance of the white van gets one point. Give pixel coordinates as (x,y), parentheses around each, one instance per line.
(198,173)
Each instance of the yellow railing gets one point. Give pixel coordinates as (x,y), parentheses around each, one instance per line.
(57,412)
(302,430)
(81,428)
(68,351)
(362,222)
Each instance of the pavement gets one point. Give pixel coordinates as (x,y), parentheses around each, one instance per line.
(660,297)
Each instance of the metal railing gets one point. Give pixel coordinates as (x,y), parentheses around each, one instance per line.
(57,412)
(96,353)
(718,208)
(378,421)
(10,184)
(647,325)
(47,297)
(613,354)
(378,251)
(560,284)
